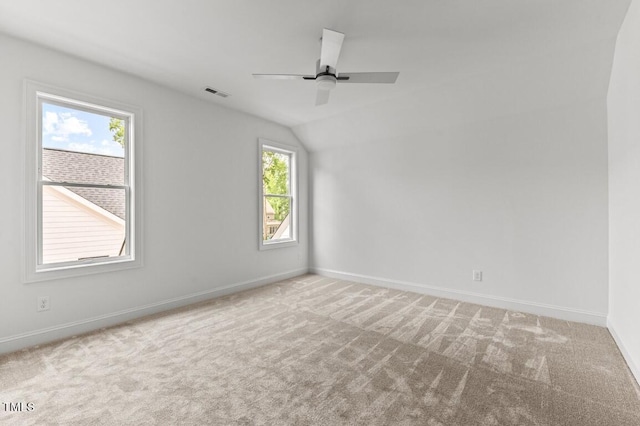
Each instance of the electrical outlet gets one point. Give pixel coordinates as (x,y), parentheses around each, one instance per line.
(477,275)
(44,304)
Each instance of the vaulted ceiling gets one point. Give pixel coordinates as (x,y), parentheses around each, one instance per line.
(191,44)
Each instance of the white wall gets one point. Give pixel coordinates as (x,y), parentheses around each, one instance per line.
(200,203)
(505,172)
(624,190)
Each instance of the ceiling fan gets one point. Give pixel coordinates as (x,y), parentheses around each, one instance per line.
(326,75)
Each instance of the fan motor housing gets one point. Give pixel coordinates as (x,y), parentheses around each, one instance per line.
(326,82)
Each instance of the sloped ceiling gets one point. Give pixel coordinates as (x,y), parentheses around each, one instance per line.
(538,82)
(445,50)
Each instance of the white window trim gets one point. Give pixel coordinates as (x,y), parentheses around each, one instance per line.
(34,92)
(289,150)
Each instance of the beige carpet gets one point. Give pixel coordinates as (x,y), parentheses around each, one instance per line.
(317,351)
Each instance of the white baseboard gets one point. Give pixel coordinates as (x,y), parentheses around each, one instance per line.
(560,312)
(50,334)
(635,369)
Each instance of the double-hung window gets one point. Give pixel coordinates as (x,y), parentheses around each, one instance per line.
(81,169)
(278,201)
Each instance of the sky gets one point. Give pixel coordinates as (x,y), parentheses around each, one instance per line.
(75,130)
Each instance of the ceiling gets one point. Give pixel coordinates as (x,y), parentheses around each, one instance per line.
(191,44)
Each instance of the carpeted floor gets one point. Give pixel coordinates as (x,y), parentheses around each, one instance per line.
(318,351)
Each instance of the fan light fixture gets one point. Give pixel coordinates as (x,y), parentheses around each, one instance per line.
(326,82)
(326,75)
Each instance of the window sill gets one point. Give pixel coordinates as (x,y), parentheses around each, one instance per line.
(277,244)
(77,269)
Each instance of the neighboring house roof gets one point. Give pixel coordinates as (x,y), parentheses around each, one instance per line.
(269,207)
(283,229)
(63,166)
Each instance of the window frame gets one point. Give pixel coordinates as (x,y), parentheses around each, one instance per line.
(35,270)
(292,151)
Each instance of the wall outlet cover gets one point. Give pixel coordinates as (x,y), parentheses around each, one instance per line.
(44,304)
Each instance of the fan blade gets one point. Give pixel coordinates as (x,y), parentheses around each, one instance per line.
(322,97)
(331,45)
(368,77)
(284,76)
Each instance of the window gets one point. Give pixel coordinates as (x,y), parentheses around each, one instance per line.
(278,203)
(81,197)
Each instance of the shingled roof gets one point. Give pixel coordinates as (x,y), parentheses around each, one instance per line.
(79,167)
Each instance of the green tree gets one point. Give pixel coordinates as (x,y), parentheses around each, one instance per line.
(116,127)
(275,177)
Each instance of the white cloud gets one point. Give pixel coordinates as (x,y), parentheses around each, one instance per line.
(83,147)
(111,148)
(105,147)
(59,126)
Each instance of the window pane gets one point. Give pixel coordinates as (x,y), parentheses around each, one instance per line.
(79,226)
(81,147)
(275,220)
(275,172)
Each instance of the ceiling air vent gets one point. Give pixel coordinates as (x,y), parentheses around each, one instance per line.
(216,92)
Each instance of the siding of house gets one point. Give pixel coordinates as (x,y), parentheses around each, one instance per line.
(73,229)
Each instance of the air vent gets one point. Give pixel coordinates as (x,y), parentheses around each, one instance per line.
(216,92)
